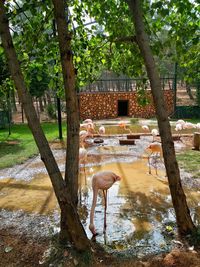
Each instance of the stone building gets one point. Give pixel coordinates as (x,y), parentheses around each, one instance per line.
(121,97)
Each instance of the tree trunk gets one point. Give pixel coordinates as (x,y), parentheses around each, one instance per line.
(41,104)
(183,218)
(35,100)
(48,95)
(71,221)
(72,159)
(14,106)
(189,91)
(45,101)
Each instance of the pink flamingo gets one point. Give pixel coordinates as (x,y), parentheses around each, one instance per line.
(189,125)
(145,128)
(83,135)
(124,125)
(87,121)
(182,122)
(102,180)
(83,158)
(156,149)
(102,130)
(198,125)
(154,133)
(179,128)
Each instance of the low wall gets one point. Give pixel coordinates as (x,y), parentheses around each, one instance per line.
(102,105)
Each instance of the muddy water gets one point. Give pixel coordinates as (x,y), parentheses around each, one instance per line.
(139,206)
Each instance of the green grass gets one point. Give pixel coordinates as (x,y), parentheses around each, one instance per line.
(190,161)
(20,145)
(134,120)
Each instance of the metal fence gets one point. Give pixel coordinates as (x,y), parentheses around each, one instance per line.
(124,85)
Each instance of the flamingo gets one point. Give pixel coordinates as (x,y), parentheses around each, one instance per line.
(102,130)
(178,128)
(87,126)
(83,135)
(83,157)
(123,124)
(145,128)
(189,125)
(90,128)
(87,121)
(102,180)
(182,122)
(82,160)
(155,148)
(154,133)
(198,125)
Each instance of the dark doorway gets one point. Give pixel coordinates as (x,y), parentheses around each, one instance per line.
(122,107)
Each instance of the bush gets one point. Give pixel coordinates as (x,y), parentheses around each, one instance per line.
(134,120)
(51,111)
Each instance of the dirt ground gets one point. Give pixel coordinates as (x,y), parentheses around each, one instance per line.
(21,251)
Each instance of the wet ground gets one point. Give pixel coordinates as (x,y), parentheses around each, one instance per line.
(140,217)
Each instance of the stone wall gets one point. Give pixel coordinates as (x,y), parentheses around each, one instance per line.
(102,105)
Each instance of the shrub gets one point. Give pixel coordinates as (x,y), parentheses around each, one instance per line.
(51,111)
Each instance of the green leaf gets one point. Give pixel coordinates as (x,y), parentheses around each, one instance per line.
(103,61)
(78,59)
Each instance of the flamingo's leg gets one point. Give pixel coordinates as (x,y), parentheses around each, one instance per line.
(156,166)
(80,185)
(149,163)
(84,173)
(105,209)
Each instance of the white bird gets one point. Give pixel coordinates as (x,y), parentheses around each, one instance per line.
(154,133)
(87,121)
(102,130)
(189,125)
(145,128)
(198,125)
(178,128)
(182,122)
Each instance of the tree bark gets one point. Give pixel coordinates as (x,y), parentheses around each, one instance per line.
(72,159)
(70,222)
(41,104)
(183,218)
(48,95)
(14,106)
(189,91)
(45,101)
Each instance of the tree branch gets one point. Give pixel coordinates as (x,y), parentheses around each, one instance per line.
(125,39)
